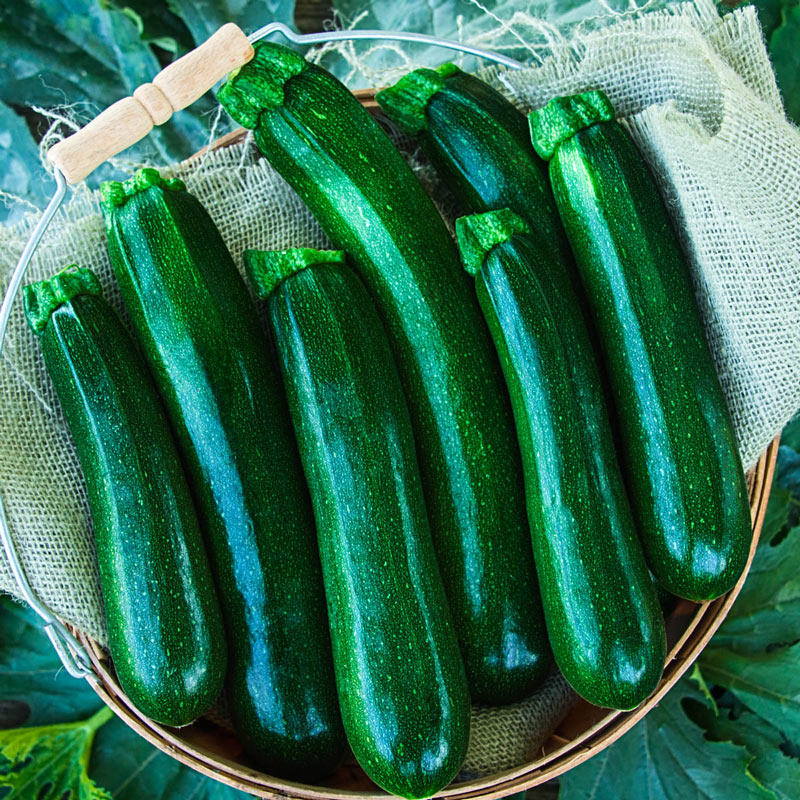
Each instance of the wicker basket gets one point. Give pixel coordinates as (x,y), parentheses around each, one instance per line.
(214,750)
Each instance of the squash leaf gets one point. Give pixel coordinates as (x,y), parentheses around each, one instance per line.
(773,765)
(132,769)
(666,756)
(768,683)
(203,17)
(459,20)
(50,762)
(35,690)
(21,172)
(767,612)
(784,49)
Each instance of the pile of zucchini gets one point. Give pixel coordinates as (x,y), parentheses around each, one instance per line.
(447,464)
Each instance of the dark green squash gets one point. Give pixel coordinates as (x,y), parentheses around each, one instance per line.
(370,204)
(213,367)
(480,145)
(679,450)
(602,614)
(164,623)
(402,688)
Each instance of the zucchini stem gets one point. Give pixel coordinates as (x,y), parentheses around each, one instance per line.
(477,234)
(268,268)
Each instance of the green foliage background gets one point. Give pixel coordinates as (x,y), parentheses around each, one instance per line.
(730,730)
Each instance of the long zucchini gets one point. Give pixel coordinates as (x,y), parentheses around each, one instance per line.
(317,135)
(212,364)
(400,678)
(678,445)
(164,623)
(602,613)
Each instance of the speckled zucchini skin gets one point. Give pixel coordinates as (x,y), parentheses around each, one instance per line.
(480,145)
(602,613)
(679,451)
(164,623)
(370,204)
(213,366)
(402,688)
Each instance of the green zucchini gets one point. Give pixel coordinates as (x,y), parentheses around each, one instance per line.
(602,613)
(212,363)
(480,145)
(679,450)
(370,204)
(402,689)
(164,623)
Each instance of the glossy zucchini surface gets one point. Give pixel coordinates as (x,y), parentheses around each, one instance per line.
(602,614)
(214,369)
(679,450)
(371,205)
(401,682)
(164,623)
(480,145)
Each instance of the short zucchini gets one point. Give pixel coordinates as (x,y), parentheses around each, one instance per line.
(480,145)
(164,623)
(320,138)
(402,688)
(212,363)
(678,445)
(602,613)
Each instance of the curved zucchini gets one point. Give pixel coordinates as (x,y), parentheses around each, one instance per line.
(678,445)
(319,137)
(212,364)
(164,624)
(480,144)
(602,613)
(402,689)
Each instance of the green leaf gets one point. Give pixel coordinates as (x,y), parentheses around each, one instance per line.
(456,19)
(159,26)
(784,49)
(665,757)
(21,172)
(767,612)
(771,766)
(32,679)
(35,689)
(132,769)
(204,17)
(791,435)
(768,683)
(41,66)
(49,762)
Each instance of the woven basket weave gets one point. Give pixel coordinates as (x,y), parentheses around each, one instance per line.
(215,751)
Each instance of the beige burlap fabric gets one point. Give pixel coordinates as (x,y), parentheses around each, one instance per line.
(698,95)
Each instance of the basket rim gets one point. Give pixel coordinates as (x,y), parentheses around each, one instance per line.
(704,621)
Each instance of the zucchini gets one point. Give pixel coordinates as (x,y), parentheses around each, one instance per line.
(480,145)
(402,689)
(164,623)
(211,360)
(602,613)
(679,452)
(370,204)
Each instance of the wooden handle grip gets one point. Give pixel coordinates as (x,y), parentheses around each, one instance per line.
(129,120)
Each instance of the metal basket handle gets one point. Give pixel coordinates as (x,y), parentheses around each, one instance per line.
(118,127)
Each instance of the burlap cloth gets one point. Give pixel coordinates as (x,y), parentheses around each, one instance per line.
(701,101)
